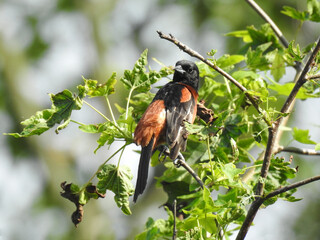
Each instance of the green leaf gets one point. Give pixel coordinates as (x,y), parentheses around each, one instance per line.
(245,74)
(302,136)
(63,104)
(93,89)
(159,229)
(256,59)
(286,89)
(117,180)
(317,147)
(230,171)
(229,60)
(313,7)
(109,132)
(244,34)
(278,66)
(263,36)
(138,78)
(206,221)
(295,14)
(295,51)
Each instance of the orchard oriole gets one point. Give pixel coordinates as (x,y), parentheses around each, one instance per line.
(163,121)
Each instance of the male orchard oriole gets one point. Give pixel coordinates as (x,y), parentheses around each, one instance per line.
(163,121)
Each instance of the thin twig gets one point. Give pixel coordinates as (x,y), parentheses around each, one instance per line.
(316,76)
(303,151)
(183,163)
(291,186)
(174,236)
(195,54)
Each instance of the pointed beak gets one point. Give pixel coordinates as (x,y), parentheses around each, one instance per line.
(179,69)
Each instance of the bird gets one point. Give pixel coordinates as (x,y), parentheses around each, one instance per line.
(162,124)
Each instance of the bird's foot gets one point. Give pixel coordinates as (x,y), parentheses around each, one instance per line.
(164,152)
(178,160)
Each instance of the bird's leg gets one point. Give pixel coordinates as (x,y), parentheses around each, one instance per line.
(178,160)
(164,151)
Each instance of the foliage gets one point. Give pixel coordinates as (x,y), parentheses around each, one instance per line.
(219,151)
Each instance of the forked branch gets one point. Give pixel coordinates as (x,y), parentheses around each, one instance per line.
(271,143)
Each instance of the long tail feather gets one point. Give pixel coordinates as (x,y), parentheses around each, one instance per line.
(146,153)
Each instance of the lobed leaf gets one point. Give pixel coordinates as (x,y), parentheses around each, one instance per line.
(63,103)
(93,89)
(138,79)
(117,180)
(302,136)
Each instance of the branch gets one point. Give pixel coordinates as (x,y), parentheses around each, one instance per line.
(259,201)
(195,54)
(303,151)
(316,76)
(182,162)
(291,186)
(273,131)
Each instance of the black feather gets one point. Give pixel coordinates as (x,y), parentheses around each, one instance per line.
(143,169)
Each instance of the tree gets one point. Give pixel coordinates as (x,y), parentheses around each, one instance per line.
(243,91)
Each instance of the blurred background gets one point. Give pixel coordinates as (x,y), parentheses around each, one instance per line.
(48,45)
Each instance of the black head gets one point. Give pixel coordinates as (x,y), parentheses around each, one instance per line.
(187,72)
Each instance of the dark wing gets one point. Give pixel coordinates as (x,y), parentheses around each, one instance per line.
(182,107)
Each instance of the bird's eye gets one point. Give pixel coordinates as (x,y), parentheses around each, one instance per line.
(189,70)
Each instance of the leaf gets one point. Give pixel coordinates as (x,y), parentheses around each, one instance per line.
(245,74)
(278,66)
(79,197)
(229,60)
(255,58)
(286,89)
(207,221)
(138,78)
(230,171)
(241,34)
(263,36)
(93,89)
(111,131)
(117,180)
(317,147)
(302,136)
(295,14)
(295,51)
(313,7)
(159,229)
(63,104)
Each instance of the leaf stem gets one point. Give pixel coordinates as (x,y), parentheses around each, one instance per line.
(209,155)
(110,109)
(128,102)
(100,167)
(100,113)
(107,119)
(76,122)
